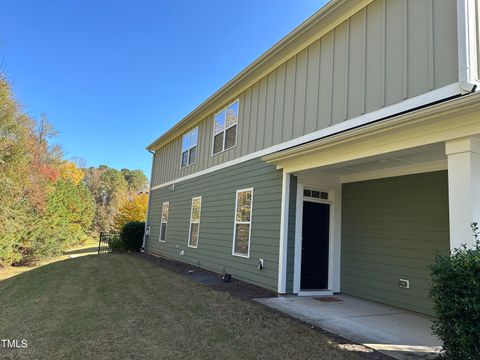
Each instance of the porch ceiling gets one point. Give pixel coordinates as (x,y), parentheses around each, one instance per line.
(419,159)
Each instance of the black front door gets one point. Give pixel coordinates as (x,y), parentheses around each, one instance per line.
(315,244)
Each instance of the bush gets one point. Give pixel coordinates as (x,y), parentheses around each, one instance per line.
(456,296)
(115,243)
(131,235)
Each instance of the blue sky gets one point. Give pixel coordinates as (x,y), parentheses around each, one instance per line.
(113,75)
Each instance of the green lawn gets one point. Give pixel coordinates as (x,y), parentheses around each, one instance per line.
(123,307)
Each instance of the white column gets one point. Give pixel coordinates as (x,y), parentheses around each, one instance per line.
(282,253)
(463,188)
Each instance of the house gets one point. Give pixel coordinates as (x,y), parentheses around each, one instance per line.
(341,160)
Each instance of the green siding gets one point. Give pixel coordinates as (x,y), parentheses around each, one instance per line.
(387,52)
(391,229)
(214,250)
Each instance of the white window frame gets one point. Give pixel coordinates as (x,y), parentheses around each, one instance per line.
(235,222)
(188,133)
(194,222)
(162,222)
(225,129)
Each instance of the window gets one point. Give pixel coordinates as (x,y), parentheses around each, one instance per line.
(189,147)
(315,194)
(163,225)
(243,223)
(195,222)
(225,128)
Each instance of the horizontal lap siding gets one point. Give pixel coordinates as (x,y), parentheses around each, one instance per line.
(387,52)
(214,250)
(391,229)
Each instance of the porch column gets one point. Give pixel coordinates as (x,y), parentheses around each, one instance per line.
(463,188)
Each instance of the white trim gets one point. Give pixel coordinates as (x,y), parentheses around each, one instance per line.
(297,267)
(331,225)
(323,21)
(194,222)
(334,257)
(190,148)
(225,128)
(467,34)
(427,98)
(282,254)
(463,190)
(166,222)
(315,293)
(396,171)
(235,222)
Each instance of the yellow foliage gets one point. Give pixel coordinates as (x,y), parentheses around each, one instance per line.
(69,171)
(133,209)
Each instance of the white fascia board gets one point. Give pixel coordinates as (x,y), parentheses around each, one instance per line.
(433,96)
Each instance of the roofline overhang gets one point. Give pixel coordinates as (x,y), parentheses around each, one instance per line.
(449,108)
(328,17)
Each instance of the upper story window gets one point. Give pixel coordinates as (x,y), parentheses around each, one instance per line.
(189,147)
(225,128)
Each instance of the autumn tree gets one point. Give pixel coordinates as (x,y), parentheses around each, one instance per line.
(133,208)
(45,206)
(109,188)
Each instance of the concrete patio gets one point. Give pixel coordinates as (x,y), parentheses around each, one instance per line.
(398,333)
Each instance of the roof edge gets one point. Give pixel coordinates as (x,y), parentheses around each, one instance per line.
(325,19)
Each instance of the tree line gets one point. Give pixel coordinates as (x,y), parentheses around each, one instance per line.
(47,203)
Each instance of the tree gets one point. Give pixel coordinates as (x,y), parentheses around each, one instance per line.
(109,188)
(45,206)
(132,209)
(16,130)
(70,171)
(69,213)
(136,179)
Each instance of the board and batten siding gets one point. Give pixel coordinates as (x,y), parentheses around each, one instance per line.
(391,229)
(218,192)
(387,52)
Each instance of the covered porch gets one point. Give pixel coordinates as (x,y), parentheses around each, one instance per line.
(364,211)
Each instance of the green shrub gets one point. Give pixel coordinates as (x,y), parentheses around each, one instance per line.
(115,243)
(456,296)
(131,235)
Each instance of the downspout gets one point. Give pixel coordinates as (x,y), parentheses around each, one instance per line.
(148,202)
(467,33)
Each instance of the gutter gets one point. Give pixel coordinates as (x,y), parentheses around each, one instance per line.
(467,33)
(463,103)
(148,202)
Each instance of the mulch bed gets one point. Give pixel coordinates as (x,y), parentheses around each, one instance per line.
(246,291)
(235,287)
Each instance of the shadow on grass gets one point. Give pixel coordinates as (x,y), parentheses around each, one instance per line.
(93,249)
(41,270)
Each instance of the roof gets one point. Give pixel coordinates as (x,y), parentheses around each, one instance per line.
(324,20)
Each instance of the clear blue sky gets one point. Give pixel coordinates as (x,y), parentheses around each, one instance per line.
(113,75)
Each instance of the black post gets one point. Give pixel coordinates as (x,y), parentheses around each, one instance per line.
(100,242)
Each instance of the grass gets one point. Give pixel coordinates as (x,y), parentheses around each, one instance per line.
(119,306)
(88,248)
